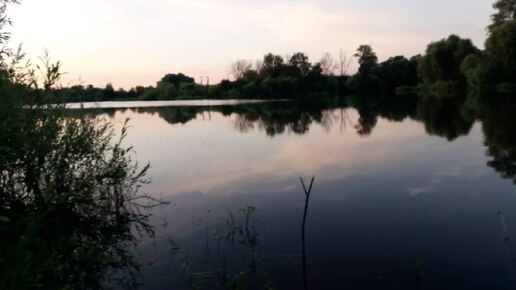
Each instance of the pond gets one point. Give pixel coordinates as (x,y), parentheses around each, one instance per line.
(411,193)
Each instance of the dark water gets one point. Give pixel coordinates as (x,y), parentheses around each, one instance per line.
(406,194)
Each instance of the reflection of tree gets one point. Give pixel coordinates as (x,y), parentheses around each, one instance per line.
(366,122)
(244,123)
(498,121)
(398,108)
(503,161)
(276,119)
(173,115)
(442,117)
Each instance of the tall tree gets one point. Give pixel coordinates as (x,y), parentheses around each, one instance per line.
(506,11)
(501,53)
(176,79)
(272,65)
(443,59)
(499,62)
(299,61)
(367,79)
(240,67)
(399,71)
(327,64)
(344,62)
(366,58)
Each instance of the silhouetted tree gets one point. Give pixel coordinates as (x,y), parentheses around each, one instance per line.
(506,11)
(327,64)
(443,59)
(500,52)
(366,58)
(443,117)
(272,65)
(368,77)
(109,92)
(299,64)
(177,79)
(344,63)
(240,67)
(398,71)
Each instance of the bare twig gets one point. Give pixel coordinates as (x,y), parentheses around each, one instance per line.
(303,243)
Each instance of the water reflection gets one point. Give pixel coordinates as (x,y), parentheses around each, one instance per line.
(448,118)
(500,137)
(395,207)
(442,117)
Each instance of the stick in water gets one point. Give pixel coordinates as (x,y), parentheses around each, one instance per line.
(307,194)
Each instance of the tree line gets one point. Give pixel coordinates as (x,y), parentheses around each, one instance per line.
(452,65)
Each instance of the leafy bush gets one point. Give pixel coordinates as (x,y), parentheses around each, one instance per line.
(70,209)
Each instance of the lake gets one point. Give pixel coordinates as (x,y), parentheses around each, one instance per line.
(409,193)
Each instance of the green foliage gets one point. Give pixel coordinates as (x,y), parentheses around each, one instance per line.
(443,59)
(399,71)
(495,71)
(71,196)
(501,52)
(149,94)
(70,209)
(443,117)
(445,89)
(272,65)
(369,76)
(506,88)
(299,64)
(506,11)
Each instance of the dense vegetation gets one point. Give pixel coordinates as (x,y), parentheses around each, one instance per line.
(449,66)
(70,210)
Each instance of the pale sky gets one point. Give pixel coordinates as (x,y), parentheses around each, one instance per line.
(136,42)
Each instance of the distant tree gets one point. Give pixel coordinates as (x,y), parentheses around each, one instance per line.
(240,67)
(149,94)
(299,62)
(399,71)
(258,64)
(272,65)
(344,62)
(109,92)
(368,77)
(177,79)
(167,91)
(506,11)
(327,64)
(225,84)
(251,75)
(270,60)
(366,58)
(500,53)
(443,59)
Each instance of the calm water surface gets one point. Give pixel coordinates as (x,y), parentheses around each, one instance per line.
(400,200)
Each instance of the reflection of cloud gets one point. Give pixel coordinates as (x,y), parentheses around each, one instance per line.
(328,155)
(435,180)
(418,190)
(211,157)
